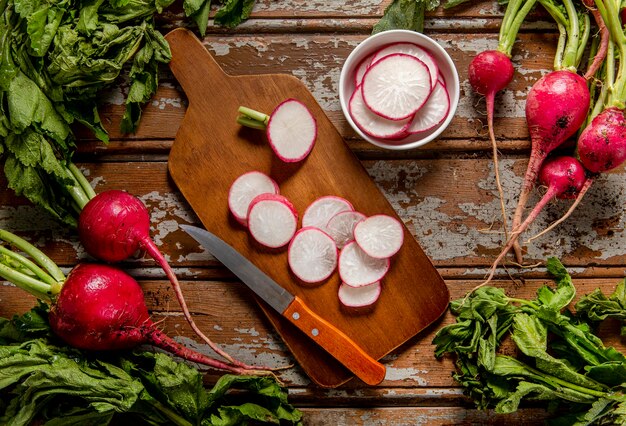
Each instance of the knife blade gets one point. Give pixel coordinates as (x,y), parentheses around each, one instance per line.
(330,338)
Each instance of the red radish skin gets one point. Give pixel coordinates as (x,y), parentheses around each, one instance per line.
(101,308)
(489,72)
(565,178)
(602,145)
(556,106)
(113,226)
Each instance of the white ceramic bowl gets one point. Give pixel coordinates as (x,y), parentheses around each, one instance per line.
(374,43)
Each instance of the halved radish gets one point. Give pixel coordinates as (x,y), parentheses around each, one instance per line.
(372,123)
(359,297)
(413,50)
(291,128)
(244,189)
(396,86)
(312,255)
(361,68)
(341,227)
(379,236)
(272,220)
(320,211)
(433,112)
(357,269)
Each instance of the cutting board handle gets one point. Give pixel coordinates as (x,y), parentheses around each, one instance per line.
(188,69)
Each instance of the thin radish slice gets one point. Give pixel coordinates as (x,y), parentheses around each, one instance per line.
(362,68)
(396,86)
(244,189)
(323,209)
(441,79)
(312,255)
(373,124)
(357,269)
(379,236)
(341,227)
(292,131)
(359,297)
(413,50)
(433,112)
(272,220)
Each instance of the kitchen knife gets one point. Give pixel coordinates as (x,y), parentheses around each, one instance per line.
(331,339)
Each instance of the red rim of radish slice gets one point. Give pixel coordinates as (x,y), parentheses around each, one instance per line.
(362,68)
(312,255)
(379,236)
(357,269)
(396,86)
(272,220)
(434,111)
(245,188)
(414,50)
(291,131)
(341,227)
(359,297)
(320,211)
(372,123)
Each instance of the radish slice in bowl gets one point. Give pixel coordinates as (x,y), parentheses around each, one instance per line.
(359,297)
(312,255)
(379,236)
(362,68)
(357,269)
(396,86)
(272,220)
(413,50)
(244,189)
(341,227)
(320,211)
(372,123)
(433,112)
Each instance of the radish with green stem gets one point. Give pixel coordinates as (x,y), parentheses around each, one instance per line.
(291,128)
(97,307)
(492,70)
(556,105)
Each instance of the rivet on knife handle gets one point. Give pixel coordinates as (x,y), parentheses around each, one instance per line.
(335,342)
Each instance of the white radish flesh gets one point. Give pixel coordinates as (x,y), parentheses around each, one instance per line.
(341,227)
(379,236)
(312,255)
(291,131)
(434,111)
(413,50)
(359,297)
(357,269)
(372,123)
(361,69)
(272,220)
(323,209)
(244,189)
(396,86)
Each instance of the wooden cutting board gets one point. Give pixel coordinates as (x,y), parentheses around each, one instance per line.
(211,150)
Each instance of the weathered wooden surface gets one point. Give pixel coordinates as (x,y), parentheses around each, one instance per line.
(444,192)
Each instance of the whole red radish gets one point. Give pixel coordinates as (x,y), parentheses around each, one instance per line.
(114,225)
(602,144)
(556,106)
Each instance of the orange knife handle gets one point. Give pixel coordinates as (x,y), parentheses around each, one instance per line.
(335,342)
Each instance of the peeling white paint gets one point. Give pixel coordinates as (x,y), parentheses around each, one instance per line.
(404,374)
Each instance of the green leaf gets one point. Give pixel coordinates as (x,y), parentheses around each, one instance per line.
(233,12)
(199,12)
(565,291)
(402,14)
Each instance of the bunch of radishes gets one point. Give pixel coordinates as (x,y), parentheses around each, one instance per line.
(332,236)
(399,92)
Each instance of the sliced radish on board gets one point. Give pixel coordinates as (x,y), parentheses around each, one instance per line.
(379,236)
(361,68)
(433,112)
(292,131)
(272,220)
(244,189)
(312,255)
(341,227)
(413,50)
(396,86)
(323,209)
(359,297)
(372,123)
(357,269)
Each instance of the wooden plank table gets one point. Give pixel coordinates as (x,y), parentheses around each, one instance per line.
(445,193)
